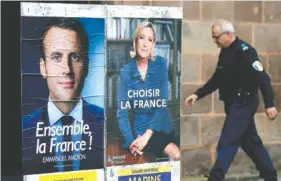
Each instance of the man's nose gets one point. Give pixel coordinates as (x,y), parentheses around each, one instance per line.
(66,66)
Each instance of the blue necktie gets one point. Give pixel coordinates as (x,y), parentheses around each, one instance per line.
(67,121)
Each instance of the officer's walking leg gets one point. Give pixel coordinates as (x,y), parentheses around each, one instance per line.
(253,146)
(236,123)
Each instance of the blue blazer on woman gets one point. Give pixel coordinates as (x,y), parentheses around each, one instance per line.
(145,117)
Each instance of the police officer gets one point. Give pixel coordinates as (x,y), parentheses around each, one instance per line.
(238,76)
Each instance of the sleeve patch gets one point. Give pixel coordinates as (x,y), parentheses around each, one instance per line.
(258,66)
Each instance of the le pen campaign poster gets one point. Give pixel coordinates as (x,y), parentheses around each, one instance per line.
(143,78)
(100,92)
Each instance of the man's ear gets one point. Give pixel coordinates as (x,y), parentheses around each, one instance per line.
(43,68)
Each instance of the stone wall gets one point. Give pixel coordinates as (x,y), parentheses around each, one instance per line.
(258,23)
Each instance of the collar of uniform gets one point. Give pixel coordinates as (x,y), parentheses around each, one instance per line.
(55,114)
(234,43)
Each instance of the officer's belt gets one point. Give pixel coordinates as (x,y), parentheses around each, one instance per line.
(240,96)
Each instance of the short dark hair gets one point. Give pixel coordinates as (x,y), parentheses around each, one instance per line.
(70,24)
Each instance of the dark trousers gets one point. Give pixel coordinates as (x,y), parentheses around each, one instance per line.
(238,130)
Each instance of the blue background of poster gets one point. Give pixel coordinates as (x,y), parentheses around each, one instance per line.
(34,87)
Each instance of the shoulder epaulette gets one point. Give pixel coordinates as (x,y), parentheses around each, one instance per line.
(244,46)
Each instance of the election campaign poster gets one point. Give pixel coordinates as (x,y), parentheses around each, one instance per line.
(62,65)
(143,78)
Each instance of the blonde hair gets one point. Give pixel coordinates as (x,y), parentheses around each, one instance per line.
(140,27)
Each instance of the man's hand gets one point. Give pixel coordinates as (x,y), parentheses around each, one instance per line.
(271,113)
(190,100)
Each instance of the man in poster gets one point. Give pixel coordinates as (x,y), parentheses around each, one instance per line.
(67,133)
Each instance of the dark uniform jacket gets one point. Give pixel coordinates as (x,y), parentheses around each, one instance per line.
(238,75)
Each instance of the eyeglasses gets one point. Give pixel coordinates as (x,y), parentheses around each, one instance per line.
(217,37)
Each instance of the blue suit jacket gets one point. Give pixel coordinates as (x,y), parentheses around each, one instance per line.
(154,118)
(33,163)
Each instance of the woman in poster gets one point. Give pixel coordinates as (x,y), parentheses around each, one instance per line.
(143,88)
